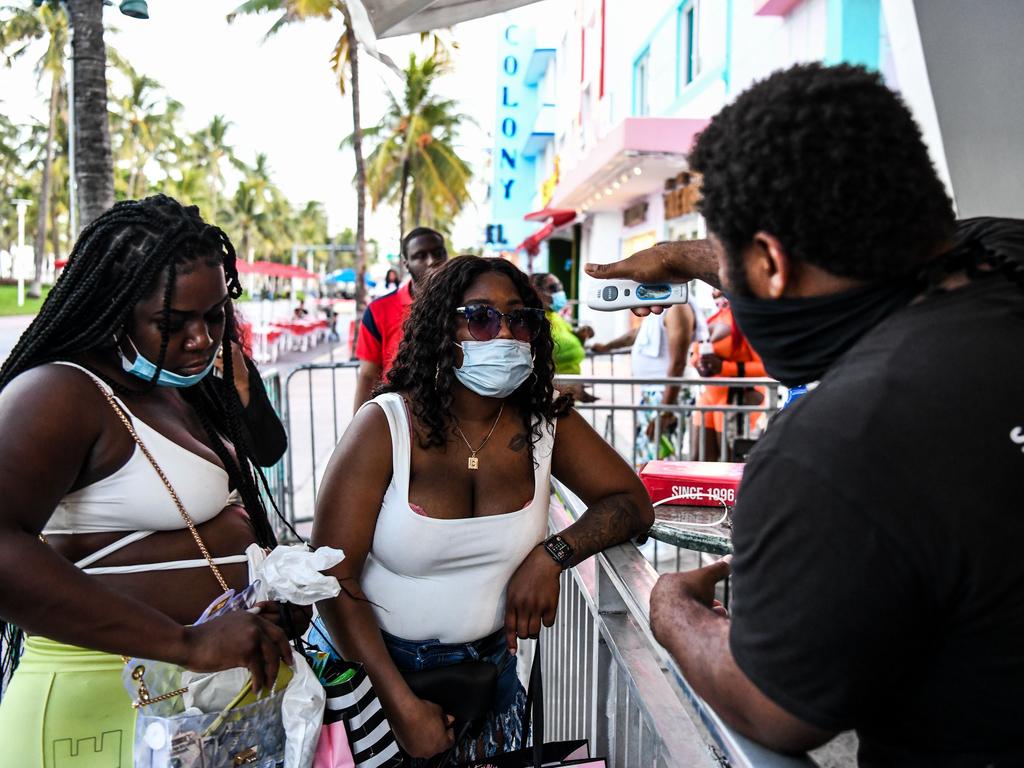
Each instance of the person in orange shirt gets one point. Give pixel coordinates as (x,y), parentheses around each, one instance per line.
(732,356)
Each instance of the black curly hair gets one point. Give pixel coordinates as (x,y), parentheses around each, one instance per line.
(118,261)
(423,367)
(830,161)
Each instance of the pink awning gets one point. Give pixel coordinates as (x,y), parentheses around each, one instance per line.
(629,162)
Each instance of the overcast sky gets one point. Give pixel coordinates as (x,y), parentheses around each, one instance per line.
(280,95)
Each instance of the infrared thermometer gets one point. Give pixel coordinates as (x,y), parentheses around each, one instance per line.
(608,295)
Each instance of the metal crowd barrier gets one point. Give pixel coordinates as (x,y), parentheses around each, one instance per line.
(317,408)
(606,679)
(620,422)
(275,494)
(315,402)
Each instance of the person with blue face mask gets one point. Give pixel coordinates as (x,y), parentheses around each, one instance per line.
(439,491)
(569,341)
(98,559)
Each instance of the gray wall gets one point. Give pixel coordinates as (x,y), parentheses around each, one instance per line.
(974,52)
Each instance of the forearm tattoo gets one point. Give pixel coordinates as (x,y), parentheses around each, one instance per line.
(609,522)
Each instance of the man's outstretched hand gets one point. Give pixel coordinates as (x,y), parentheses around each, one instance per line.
(670,262)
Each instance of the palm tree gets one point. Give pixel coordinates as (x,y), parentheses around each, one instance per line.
(94,163)
(211,150)
(414,163)
(254,210)
(25,26)
(144,122)
(345,62)
(12,178)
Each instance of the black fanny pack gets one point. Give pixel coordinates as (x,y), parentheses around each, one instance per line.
(466,691)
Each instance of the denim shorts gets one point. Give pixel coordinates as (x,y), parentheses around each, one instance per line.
(502,729)
(417,655)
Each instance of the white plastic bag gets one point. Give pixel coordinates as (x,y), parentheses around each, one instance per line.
(302,713)
(293,574)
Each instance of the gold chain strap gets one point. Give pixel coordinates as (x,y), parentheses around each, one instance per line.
(167,483)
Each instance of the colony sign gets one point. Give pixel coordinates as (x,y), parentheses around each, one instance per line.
(512,189)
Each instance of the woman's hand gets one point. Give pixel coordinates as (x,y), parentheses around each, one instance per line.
(585,333)
(239,370)
(423,729)
(238,639)
(532,597)
(293,619)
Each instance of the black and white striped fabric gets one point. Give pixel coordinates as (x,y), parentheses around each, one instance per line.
(355,704)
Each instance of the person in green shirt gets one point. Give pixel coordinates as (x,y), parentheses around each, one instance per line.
(569,352)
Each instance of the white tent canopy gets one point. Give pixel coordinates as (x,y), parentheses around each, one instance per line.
(402,17)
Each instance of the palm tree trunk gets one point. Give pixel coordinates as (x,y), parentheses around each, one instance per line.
(35,288)
(94,164)
(357,147)
(54,231)
(402,194)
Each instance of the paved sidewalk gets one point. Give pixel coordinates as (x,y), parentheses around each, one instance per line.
(11,328)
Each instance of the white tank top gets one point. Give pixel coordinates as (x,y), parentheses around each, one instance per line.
(133,498)
(446,579)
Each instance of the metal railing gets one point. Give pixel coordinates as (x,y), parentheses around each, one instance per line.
(620,420)
(276,477)
(317,408)
(609,681)
(315,402)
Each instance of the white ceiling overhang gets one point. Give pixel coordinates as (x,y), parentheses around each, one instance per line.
(402,17)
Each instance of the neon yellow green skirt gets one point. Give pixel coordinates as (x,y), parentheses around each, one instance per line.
(66,708)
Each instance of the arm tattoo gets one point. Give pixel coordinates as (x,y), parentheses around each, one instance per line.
(610,521)
(518,442)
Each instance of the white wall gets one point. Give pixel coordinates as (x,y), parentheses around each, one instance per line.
(763,44)
(601,243)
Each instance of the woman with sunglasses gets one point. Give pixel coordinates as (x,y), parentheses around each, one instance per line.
(439,491)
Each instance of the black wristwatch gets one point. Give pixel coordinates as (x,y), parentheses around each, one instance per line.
(560,550)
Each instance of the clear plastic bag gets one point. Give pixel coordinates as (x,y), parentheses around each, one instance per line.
(250,735)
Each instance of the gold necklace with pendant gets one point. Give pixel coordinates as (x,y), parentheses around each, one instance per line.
(474,462)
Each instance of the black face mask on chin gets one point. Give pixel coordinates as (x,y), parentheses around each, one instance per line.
(798,339)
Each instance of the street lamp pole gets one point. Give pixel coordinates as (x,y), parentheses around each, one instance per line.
(22,205)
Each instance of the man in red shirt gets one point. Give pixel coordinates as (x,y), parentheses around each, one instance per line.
(423,251)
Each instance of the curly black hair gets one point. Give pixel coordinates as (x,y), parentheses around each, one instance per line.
(423,367)
(830,161)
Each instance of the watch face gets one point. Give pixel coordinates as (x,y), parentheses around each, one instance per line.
(558,548)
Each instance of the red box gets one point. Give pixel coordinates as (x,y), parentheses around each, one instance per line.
(703,483)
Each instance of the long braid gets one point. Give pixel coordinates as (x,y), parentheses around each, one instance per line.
(165,324)
(117,261)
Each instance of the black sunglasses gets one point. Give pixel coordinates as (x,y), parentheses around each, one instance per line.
(484,322)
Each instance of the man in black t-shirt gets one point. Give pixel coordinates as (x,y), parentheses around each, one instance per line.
(878,575)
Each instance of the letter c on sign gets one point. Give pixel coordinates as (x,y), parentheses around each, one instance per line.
(508,34)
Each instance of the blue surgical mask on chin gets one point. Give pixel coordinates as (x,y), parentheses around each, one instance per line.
(145,369)
(558,301)
(495,368)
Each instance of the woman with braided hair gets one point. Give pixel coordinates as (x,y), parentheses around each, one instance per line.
(107,384)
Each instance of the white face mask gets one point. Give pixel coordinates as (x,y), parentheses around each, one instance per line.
(494,368)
